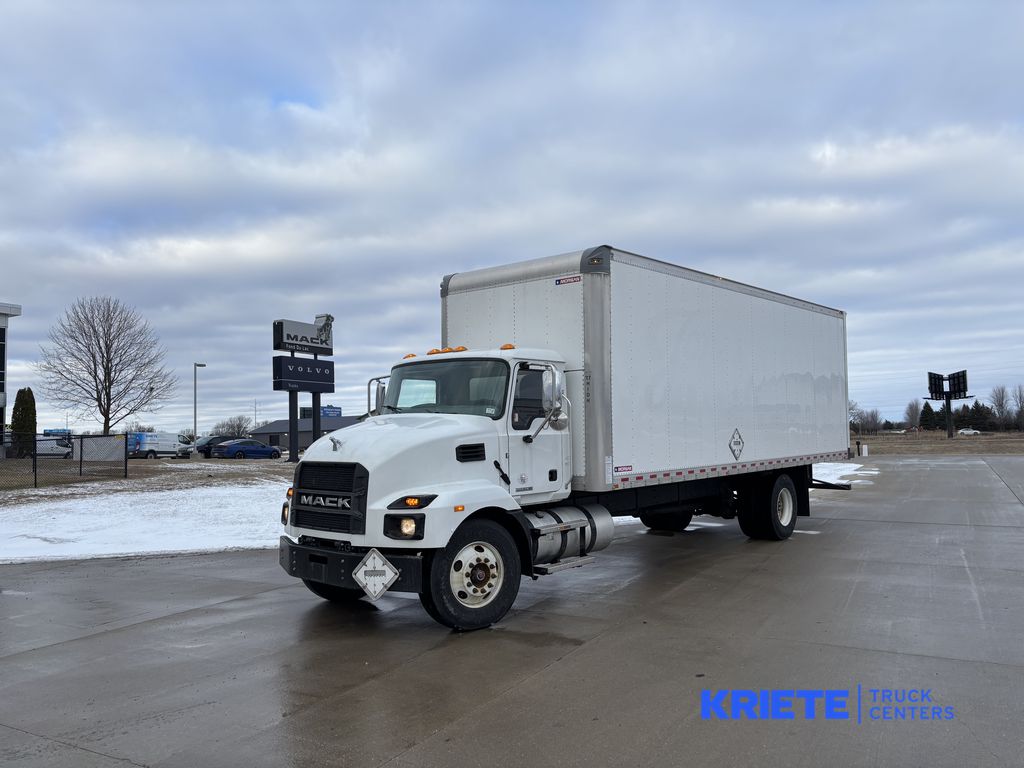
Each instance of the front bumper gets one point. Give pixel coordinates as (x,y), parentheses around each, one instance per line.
(331,566)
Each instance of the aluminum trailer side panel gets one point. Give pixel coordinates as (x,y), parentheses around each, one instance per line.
(696,363)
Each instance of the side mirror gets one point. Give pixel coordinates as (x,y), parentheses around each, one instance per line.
(378,399)
(551,398)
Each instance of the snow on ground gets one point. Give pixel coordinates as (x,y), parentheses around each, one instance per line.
(836,472)
(114,520)
(216,517)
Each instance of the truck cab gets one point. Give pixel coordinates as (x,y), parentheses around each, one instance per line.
(454,435)
(508,394)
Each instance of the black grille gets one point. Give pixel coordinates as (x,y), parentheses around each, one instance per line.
(342,477)
(339,522)
(339,480)
(471,452)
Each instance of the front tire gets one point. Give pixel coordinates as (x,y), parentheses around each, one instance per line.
(332,593)
(473,581)
(151,455)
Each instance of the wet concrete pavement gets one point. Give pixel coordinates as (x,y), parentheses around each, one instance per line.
(915,579)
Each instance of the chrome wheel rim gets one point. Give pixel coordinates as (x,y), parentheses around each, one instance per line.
(476,575)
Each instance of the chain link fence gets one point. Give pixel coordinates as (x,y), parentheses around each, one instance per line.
(34,461)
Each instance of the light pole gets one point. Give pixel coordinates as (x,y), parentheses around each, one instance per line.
(195,426)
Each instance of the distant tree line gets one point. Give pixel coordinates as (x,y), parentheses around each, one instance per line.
(1004,411)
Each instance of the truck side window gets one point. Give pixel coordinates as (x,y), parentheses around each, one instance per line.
(527,404)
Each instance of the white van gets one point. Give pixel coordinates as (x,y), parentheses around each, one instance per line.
(150,445)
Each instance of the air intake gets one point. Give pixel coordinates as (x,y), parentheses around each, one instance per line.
(471,452)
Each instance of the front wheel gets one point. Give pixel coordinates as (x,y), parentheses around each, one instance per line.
(333,593)
(473,581)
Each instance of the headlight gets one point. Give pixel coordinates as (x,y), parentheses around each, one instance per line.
(408,526)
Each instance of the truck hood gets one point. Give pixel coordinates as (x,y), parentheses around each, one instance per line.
(412,448)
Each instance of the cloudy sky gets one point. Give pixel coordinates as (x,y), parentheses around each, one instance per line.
(218,165)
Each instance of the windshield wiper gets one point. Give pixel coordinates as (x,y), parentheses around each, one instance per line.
(394,408)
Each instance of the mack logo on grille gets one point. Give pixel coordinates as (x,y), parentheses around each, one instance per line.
(330,502)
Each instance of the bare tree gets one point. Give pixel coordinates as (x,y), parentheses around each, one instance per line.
(1018,401)
(854,414)
(105,362)
(236,426)
(871,421)
(912,413)
(1000,399)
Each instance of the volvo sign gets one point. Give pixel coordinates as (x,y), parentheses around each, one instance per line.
(297,374)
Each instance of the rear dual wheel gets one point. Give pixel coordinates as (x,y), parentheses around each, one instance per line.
(473,581)
(768,509)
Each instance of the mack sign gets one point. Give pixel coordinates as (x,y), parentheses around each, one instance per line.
(310,338)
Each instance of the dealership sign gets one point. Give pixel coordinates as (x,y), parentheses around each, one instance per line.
(301,375)
(309,338)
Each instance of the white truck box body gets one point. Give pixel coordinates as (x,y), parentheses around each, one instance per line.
(154,443)
(671,372)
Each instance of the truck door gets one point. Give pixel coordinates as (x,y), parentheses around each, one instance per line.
(536,469)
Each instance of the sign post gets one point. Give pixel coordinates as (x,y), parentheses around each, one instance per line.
(300,374)
(957,391)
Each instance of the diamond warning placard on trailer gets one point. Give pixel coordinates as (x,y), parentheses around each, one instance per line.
(736,443)
(375,574)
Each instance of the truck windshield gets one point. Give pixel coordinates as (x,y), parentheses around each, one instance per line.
(474,387)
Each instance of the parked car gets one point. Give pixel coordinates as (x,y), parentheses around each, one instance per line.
(246,448)
(968,431)
(205,444)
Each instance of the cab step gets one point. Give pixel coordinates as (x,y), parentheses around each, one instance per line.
(563,565)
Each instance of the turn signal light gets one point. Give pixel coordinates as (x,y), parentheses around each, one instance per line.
(291,492)
(412,502)
(507,346)
(460,507)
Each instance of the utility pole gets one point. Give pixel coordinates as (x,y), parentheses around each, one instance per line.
(195,407)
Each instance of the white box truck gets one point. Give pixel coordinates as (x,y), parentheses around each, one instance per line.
(567,391)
